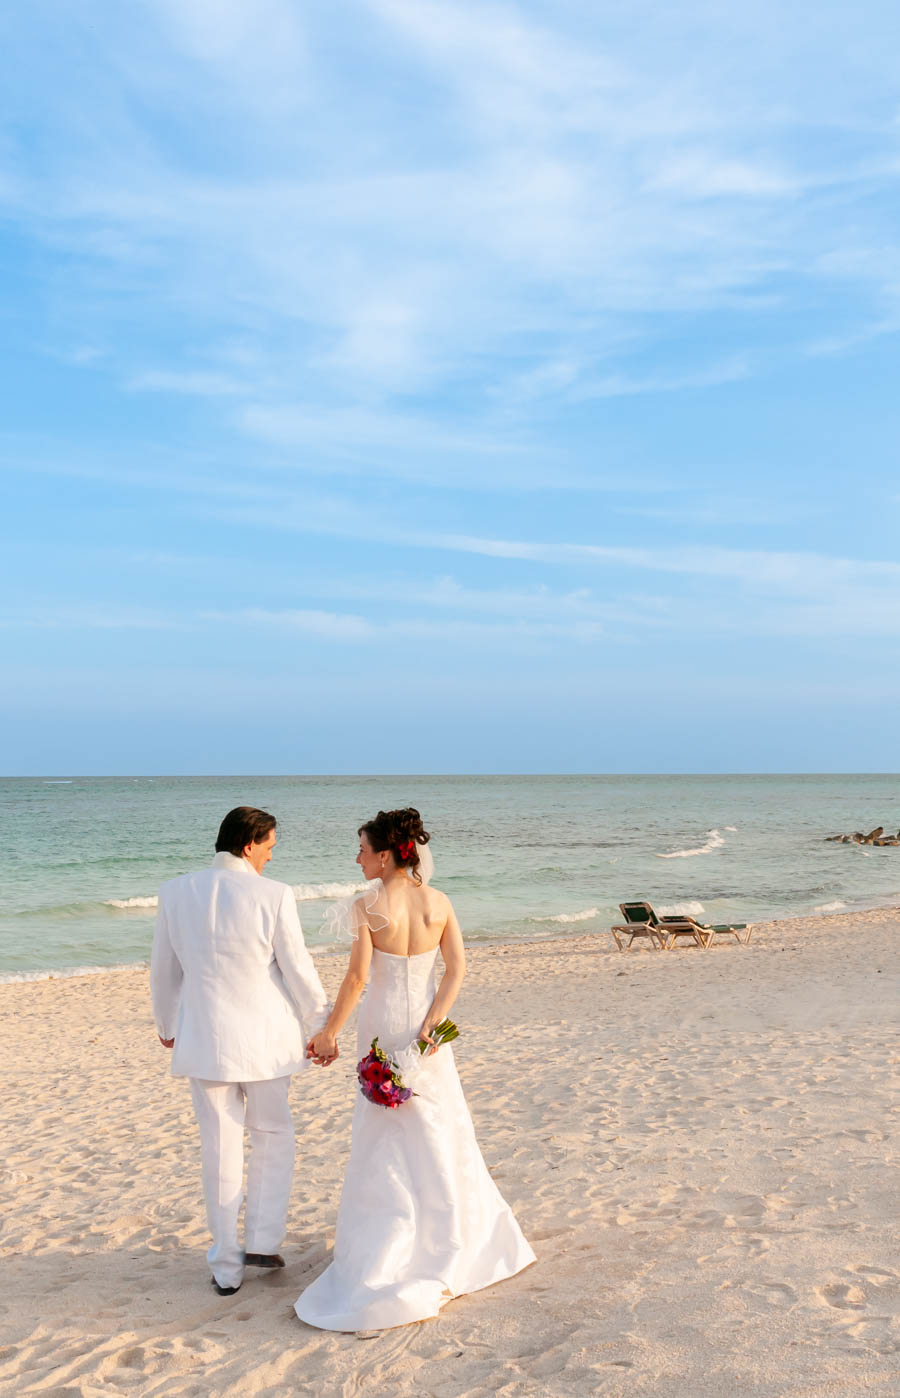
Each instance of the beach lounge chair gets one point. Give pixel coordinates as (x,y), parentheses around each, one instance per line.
(676,927)
(640,921)
(721,929)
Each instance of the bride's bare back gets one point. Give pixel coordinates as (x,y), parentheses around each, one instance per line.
(417,917)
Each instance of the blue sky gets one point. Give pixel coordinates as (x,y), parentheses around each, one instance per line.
(414,386)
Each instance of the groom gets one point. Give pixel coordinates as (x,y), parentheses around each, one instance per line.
(235,992)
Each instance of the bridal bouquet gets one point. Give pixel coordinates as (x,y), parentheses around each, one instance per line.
(381,1076)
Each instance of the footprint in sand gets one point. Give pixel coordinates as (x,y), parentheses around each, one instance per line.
(879,1278)
(707,1218)
(877,1335)
(737,1251)
(131,1358)
(775,1293)
(843,1297)
(544,1236)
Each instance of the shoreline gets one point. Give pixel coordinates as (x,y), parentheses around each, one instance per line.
(53,973)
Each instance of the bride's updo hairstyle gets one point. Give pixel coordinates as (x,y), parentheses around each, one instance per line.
(399,832)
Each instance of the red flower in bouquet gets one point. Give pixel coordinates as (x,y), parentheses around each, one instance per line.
(379,1077)
(379,1081)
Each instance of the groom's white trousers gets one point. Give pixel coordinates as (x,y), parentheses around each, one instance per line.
(222,1109)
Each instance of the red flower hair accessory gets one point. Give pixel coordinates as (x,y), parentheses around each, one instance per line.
(406,851)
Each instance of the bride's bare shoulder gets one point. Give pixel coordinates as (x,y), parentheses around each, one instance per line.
(437,903)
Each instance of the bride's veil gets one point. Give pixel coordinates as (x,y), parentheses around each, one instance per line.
(426,863)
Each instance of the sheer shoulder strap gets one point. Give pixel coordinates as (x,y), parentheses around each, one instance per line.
(346,916)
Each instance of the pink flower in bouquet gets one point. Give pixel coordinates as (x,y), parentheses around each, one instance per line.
(379,1080)
(381,1077)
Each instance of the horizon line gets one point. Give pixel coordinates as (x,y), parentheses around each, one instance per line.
(411,776)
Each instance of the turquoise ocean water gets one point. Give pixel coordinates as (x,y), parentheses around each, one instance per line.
(522,857)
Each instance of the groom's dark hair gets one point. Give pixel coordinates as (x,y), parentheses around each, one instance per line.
(243,826)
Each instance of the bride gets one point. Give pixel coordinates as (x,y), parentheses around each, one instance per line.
(420,1219)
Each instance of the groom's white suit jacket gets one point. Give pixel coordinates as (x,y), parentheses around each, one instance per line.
(231,977)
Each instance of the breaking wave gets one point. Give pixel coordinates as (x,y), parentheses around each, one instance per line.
(303,892)
(713,841)
(310,892)
(690,909)
(70,972)
(570,917)
(834,907)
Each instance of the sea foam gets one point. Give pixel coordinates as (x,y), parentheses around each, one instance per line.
(690,909)
(70,972)
(310,892)
(713,841)
(303,892)
(570,917)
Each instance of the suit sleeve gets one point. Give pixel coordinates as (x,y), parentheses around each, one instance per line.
(297,968)
(166,976)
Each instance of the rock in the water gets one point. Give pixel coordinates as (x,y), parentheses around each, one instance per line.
(874,837)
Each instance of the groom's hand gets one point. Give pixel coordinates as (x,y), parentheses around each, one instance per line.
(322,1049)
(166,1043)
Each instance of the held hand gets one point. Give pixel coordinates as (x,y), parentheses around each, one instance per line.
(322,1048)
(166,1043)
(426,1038)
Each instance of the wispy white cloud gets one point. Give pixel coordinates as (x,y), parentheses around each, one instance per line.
(823,589)
(720,510)
(859,338)
(340,628)
(331,626)
(799,572)
(571,182)
(792,596)
(479,454)
(572,379)
(200,383)
(310,425)
(259,44)
(620,385)
(699,175)
(89,616)
(82,355)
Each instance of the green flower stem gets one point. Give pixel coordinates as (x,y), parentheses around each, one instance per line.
(443,1033)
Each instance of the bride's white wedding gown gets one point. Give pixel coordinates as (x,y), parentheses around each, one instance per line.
(420,1219)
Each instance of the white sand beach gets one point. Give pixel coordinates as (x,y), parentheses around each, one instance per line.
(702,1147)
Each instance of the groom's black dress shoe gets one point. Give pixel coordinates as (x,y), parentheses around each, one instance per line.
(224,1290)
(263,1259)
